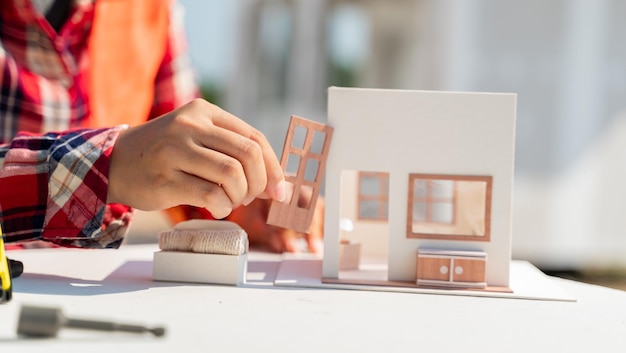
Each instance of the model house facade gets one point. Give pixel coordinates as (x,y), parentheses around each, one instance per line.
(424,180)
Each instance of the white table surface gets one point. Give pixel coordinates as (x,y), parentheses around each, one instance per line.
(117,285)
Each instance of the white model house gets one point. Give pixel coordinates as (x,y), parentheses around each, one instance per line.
(420,172)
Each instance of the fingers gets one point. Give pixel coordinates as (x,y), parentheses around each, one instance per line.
(282,240)
(290,241)
(268,237)
(274,174)
(240,162)
(315,241)
(247,167)
(253,219)
(197,155)
(200,193)
(316,233)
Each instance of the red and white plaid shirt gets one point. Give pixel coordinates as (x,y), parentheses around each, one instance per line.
(53,186)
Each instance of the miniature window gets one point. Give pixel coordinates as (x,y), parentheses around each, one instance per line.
(299,137)
(311,170)
(373,196)
(433,201)
(449,207)
(293,164)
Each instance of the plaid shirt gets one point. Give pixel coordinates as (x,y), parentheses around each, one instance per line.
(53,186)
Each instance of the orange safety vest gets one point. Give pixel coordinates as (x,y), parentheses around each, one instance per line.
(125,48)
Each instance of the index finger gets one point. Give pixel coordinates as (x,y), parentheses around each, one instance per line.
(316,233)
(275,178)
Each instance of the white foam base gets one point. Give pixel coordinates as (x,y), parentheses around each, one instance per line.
(526,282)
(179,266)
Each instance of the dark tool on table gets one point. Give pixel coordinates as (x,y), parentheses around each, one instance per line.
(16,268)
(44,322)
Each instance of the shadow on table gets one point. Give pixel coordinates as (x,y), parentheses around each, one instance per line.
(132,276)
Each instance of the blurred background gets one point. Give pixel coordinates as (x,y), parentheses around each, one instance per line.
(265,60)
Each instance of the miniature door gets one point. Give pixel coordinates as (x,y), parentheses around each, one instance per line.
(303,161)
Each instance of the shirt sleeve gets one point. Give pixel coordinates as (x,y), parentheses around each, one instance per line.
(53,187)
(175,83)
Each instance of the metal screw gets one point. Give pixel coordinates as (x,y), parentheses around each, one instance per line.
(46,322)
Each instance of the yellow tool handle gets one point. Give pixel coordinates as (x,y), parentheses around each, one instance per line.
(5,274)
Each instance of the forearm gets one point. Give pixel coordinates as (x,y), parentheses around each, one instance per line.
(54,187)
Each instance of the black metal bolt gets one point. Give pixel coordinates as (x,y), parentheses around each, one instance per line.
(17,267)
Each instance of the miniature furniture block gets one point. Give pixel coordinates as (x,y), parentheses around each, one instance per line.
(296,211)
(349,256)
(177,266)
(449,268)
(202,251)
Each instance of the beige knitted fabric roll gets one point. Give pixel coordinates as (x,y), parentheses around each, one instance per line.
(204,236)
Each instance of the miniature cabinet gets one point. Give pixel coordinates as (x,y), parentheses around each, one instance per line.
(447,268)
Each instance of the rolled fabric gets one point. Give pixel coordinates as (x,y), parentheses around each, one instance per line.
(205,236)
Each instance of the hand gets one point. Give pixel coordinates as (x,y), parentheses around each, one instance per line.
(253,218)
(197,155)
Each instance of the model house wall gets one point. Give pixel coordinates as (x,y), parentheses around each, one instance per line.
(373,235)
(405,132)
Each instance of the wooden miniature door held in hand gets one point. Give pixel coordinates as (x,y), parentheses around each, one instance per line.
(303,161)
